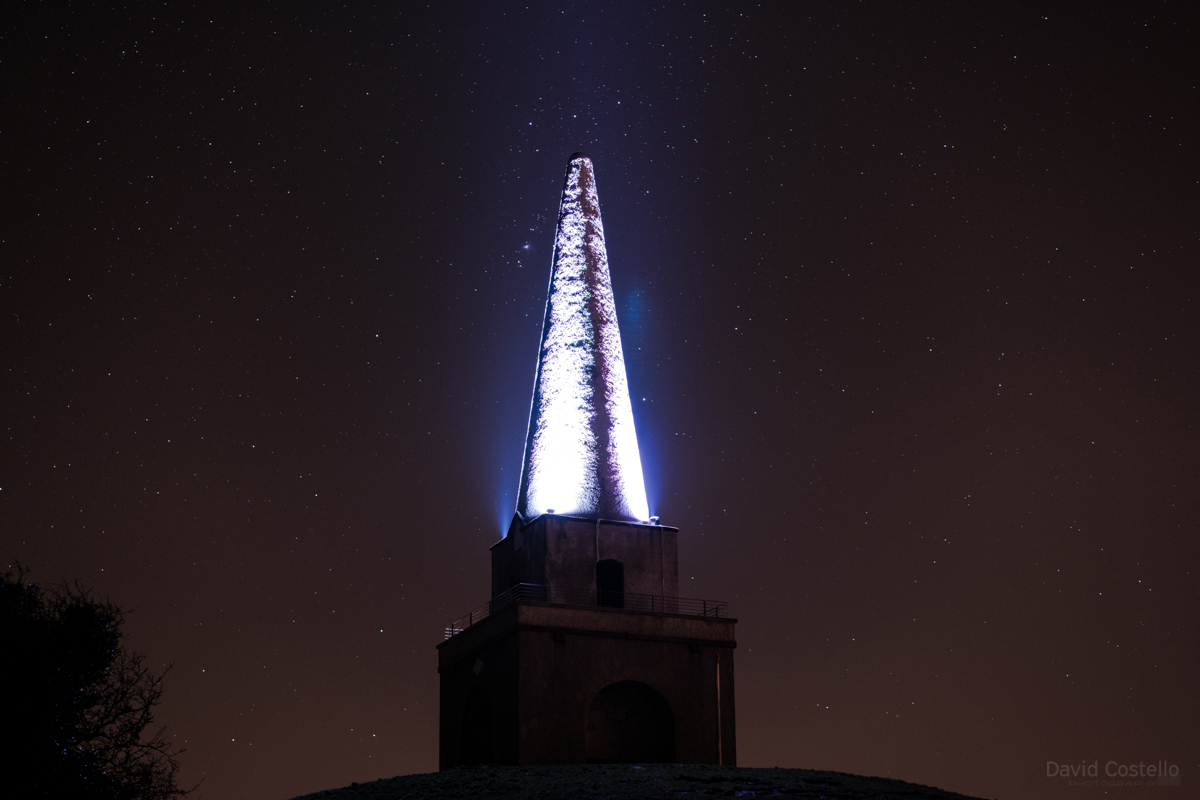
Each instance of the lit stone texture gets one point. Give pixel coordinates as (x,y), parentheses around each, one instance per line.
(581,454)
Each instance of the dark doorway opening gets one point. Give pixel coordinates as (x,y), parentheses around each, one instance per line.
(477,729)
(610,583)
(630,723)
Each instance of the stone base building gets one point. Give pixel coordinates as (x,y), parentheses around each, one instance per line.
(569,668)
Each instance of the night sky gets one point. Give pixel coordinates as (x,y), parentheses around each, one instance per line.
(908,301)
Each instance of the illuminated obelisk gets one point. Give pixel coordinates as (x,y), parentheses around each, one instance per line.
(586,652)
(581,454)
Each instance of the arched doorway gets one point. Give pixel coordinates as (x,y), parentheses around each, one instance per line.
(628,722)
(476,738)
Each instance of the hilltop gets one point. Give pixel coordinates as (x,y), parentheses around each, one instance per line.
(629,781)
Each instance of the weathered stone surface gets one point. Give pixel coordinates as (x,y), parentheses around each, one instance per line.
(581,452)
(563,551)
(539,668)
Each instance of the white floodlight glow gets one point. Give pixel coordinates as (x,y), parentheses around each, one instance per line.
(581,454)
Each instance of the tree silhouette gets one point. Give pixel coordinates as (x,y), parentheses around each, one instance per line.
(79,701)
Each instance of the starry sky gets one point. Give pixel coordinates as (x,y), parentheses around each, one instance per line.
(907,294)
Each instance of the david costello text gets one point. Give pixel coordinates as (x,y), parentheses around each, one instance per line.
(1116,773)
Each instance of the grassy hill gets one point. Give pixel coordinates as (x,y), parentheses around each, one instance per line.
(621,781)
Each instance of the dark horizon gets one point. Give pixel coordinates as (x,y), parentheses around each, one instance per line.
(906,296)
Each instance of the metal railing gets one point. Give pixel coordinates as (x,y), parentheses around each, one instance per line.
(533,592)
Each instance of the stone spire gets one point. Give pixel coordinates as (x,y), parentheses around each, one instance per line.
(581,454)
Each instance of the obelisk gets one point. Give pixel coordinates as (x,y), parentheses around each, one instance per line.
(585,652)
(581,453)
